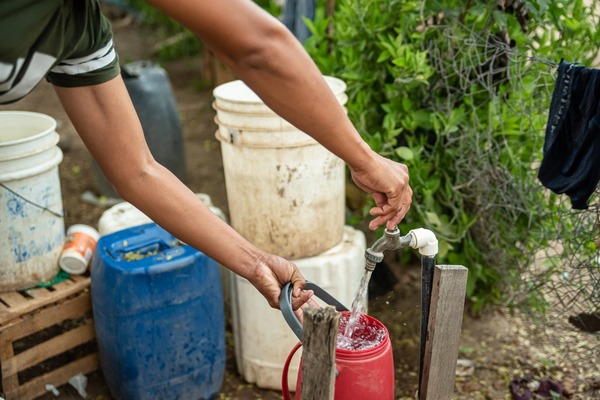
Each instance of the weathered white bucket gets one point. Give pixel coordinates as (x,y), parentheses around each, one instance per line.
(286,193)
(262,338)
(31,213)
(289,201)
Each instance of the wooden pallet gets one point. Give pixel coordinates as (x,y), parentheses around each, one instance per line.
(39,325)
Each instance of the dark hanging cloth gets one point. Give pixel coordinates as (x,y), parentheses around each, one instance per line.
(571,162)
(294,12)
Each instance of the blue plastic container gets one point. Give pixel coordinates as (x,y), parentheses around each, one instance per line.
(158,312)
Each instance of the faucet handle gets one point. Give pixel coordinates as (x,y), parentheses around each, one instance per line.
(395,231)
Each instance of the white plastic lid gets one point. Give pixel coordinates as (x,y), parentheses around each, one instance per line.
(88,230)
(73,262)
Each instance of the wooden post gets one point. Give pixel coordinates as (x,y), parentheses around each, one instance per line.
(443,333)
(318,354)
(329,11)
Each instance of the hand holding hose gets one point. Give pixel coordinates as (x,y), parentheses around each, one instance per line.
(387,182)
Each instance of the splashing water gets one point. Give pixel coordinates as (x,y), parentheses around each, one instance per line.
(359,304)
(347,335)
(365,335)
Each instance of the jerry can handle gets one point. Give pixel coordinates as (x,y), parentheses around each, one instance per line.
(285,305)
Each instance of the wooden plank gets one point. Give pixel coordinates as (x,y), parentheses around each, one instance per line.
(58,377)
(38,293)
(61,292)
(318,355)
(13,299)
(31,323)
(443,334)
(7,352)
(48,349)
(78,278)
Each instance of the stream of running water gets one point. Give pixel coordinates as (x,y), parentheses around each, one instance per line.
(347,338)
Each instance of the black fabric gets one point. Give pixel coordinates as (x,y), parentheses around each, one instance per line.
(571,162)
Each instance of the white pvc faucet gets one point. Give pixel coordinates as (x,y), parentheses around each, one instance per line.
(425,241)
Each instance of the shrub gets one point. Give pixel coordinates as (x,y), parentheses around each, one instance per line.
(459,92)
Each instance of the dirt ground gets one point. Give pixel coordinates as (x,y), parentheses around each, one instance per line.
(498,346)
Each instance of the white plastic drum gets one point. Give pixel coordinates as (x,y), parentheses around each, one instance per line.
(286,193)
(31,213)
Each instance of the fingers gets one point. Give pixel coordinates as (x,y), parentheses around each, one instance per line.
(298,282)
(389,215)
(303,298)
(299,312)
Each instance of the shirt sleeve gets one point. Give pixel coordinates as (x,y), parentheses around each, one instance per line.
(92,58)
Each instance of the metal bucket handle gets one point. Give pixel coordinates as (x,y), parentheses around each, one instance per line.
(285,305)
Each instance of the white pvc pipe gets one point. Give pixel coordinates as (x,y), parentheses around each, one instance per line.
(424,240)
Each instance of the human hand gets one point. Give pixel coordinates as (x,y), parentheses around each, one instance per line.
(272,273)
(387,182)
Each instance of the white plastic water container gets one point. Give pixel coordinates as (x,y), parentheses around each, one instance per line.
(282,186)
(262,338)
(31,212)
(286,201)
(125,215)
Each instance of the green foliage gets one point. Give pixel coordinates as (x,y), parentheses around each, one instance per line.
(459,92)
(180,42)
(270,6)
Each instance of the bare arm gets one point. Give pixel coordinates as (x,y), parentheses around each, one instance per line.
(269,59)
(105,118)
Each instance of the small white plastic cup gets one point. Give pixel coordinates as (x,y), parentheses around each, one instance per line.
(78,250)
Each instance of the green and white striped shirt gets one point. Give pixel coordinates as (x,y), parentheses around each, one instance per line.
(68,42)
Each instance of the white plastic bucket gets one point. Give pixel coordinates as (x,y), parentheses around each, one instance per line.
(288,201)
(286,193)
(31,221)
(262,338)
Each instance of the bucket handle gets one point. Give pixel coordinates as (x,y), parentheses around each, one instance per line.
(285,305)
(284,375)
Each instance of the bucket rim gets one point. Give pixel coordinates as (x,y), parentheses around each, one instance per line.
(290,129)
(36,169)
(367,352)
(52,127)
(252,98)
(52,142)
(262,113)
(276,145)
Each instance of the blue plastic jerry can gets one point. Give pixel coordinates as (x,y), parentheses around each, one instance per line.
(158,313)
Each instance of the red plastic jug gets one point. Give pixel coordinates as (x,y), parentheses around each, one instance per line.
(361,374)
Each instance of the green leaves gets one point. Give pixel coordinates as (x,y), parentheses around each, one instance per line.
(457,92)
